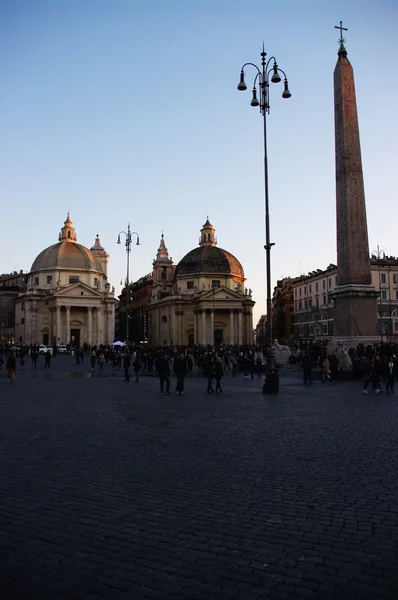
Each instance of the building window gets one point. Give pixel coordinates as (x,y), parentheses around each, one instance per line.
(22,321)
(330,282)
(295,304)
(300,304)
(305,303)
(324,298)
(383,277)
(395,325)
(295,293)
(300,291)
(395,278)
(396,296)
(23,306)
(216,283)
(190,285)
(36,281)
(384,294)
(305,289)
(324,329)
(10,305)
(324,284)
(74,279)
(310,288)
(310,303)
(49,278)
(96,282)
(164,319)
(317,301)
(316,286)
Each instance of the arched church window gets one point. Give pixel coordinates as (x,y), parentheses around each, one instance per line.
(68,234)
(164,319)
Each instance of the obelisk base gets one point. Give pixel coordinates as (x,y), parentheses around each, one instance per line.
(354,320)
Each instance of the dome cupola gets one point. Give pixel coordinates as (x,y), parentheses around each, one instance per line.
(207,237)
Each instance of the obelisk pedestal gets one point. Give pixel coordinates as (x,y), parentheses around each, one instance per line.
(355,298)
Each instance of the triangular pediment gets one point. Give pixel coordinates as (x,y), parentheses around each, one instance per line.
(223,293)
(76,289)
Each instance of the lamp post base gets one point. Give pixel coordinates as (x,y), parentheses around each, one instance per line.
(271,383)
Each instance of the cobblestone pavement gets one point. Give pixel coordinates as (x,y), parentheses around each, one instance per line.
(110,491)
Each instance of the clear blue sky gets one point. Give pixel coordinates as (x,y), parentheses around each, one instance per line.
(123,111)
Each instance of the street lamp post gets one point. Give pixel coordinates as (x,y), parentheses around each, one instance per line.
(128,235)
(261,84)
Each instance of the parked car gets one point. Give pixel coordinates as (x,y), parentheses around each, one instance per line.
(43,349)
(62,349)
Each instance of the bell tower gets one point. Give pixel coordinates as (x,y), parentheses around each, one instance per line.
(162,267)
(101,254)
(207,237)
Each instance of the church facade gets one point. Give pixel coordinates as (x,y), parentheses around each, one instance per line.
(202,300)
(68,299)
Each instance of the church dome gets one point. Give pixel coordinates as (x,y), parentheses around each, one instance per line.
(208,259)
(67,254)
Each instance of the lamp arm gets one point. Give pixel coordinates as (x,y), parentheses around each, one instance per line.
(268,61)
(251,64)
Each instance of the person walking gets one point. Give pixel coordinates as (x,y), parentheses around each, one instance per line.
(326,371)
(137,367)
(101,361)
(180,370)
(47,360)
(34,357)
(163,369)
(93,360)
(259,366)
(126,366)
(307,369)
(390,376)
(218,374)
(209,373)
(11,365)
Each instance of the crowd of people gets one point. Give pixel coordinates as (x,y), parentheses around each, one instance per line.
(375,364)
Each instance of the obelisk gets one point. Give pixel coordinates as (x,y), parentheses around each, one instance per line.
(355,299)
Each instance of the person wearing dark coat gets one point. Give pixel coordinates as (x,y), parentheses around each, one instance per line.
(163,369)
(11,365)
(209,373)
(126,366)
(180,370)
(137,367)
(218,374)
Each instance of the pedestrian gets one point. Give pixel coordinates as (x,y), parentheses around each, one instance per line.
(259,366)
(180,370)
(101,361)
(390,376)
(325,369)
(218,374)
(11,365)
(126,366)
(307,369)
(47,359)
(137,367)
(163,369)
(34,356)
(209,373)
(93,360)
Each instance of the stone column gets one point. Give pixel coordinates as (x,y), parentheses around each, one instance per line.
(89,340)
(57,324)
(110,325)
(67,324)
(99,325)
(203,342)
(195,326)
(212,327)
(231,327)
(240,337)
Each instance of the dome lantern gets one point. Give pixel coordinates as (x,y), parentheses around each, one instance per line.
(207,237)
(68,233)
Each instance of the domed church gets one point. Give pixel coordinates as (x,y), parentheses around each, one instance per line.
(68,298)
(202,300)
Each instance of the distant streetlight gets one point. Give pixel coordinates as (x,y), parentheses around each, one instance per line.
(128,235)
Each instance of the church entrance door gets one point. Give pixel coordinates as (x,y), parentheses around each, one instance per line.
(75,337)
(218,336)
